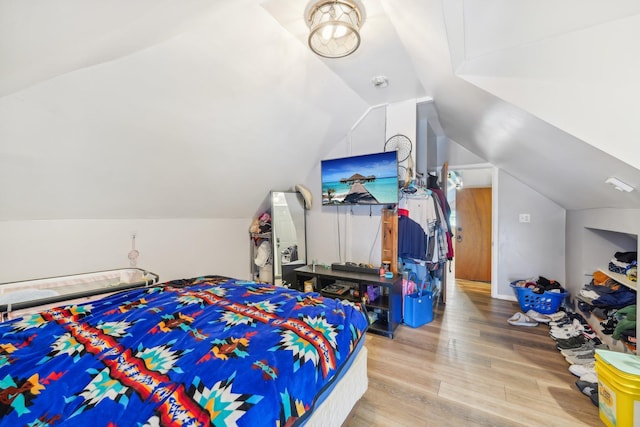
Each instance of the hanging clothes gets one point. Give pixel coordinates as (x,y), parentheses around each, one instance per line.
(440,232)
(412,241)
(446,208)
(424,209)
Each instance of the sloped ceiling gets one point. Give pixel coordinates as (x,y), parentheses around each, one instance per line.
(193,108)
(168,109)
(521,137)
(568,64)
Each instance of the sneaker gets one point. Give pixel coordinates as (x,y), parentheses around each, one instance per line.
(564,334)
(567,352)
(575,326)
(590,377)
(538,317)
(578,317)
(562,322)
(581,324)
(586,347)
(521,319)
(586,387)
(589,389)
(581,359)
(558,315)
(573,342)
(580,370)
(554,330)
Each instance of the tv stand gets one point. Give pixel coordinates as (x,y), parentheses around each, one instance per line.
(386,307)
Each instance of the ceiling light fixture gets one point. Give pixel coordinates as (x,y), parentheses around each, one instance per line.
(619,185)
(334,27)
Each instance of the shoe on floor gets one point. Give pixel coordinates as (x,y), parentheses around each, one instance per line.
(586,387)
(584,349)
(566,330)
(573,342)
(521,319)
(558,315)
(580,370)
(538,317)
(590,377)
(563,335)
(587,346)
(575,326)
(568,352)
(590,335)
(560,323)
(589,389)
(581,359)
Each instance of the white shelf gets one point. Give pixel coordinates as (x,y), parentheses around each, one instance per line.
(620,278)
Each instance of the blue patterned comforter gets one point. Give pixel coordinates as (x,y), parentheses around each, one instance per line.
(197,352)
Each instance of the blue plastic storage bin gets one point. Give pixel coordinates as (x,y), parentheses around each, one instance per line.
(418,308)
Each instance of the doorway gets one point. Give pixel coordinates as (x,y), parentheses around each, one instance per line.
(470,198)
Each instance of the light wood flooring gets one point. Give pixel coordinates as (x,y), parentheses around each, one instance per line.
(469,367)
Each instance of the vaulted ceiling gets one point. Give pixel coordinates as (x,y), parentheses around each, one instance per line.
(194,108)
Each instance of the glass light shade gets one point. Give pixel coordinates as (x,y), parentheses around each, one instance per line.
(334,28)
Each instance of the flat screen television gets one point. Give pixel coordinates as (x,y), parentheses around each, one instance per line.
(370,179)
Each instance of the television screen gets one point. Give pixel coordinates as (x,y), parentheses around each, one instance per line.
(370,179)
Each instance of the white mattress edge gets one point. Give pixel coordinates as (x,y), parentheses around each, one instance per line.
(346,393)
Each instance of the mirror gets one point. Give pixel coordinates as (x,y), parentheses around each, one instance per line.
(288,235)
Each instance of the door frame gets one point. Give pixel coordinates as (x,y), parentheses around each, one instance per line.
(494,218)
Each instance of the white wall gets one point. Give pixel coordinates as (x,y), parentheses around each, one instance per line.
(350,233)
(171,248)
(456,154)
(527,250)
(402,120)
(358,231)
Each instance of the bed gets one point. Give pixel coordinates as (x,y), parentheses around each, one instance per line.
(204,351)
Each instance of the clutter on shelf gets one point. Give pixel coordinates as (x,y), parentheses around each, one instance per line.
(260,231)
(261,224)
(625,263)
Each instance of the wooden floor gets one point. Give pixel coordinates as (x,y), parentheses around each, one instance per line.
(469,367)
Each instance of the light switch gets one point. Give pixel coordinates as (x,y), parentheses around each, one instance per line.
(525,217)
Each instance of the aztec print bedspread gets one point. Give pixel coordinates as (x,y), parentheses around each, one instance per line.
(197,352)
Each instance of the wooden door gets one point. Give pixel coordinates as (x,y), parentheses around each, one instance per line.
(473,234)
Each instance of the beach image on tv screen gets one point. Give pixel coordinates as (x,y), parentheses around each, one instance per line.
(360,180)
